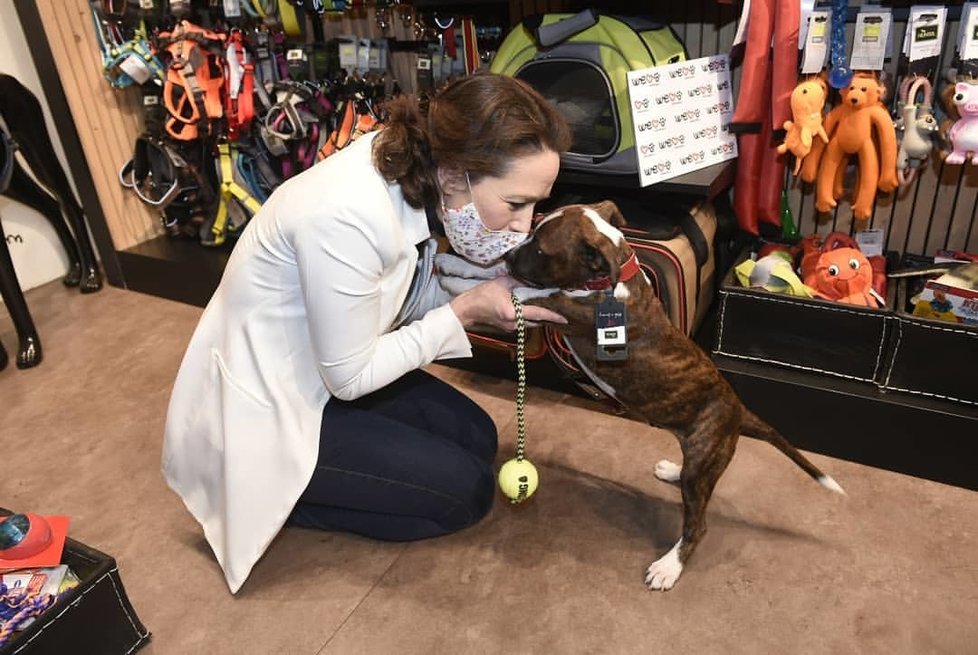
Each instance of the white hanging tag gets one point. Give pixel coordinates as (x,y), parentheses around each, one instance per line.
(363,55)
(968,32)
(816,43)
(807,7)
(375,56)
(741,34)
(869,43)
(232,8)
(348,52)
(925,32)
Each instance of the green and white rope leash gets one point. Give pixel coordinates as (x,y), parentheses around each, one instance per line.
(518,478)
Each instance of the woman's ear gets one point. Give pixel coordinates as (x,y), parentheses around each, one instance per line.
(451,180)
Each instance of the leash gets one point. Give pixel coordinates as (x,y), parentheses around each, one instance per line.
(518,478)
(520,380)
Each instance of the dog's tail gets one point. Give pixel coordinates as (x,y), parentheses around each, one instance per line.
(753,426)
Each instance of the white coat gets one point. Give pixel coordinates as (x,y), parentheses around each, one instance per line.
(303,313)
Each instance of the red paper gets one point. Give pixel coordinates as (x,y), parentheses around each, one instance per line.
(50,556)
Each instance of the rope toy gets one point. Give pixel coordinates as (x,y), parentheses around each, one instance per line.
(16,611)
(518,478)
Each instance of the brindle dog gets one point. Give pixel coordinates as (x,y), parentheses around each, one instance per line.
(666,378)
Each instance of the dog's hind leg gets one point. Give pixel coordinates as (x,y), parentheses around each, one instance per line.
(667,470)
(705,458)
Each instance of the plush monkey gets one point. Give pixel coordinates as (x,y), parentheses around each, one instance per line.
(858,126)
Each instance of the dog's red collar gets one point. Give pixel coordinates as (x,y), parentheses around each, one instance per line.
(628,270)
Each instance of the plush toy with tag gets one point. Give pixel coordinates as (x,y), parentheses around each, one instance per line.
(964,133)
(855,126)
(918,126)
(807,101)
(845,275)
(772,273)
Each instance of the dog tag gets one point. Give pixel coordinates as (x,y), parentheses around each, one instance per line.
(135,68)
(610,322)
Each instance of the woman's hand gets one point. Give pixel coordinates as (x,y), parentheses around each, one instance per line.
(490,303)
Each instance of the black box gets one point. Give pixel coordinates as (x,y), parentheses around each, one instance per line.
(95,617)
(931,358)
(819,336)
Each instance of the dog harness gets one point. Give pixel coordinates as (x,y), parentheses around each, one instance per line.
(125,63)
(240,73)
(194,80)
(233,197)
(355,122)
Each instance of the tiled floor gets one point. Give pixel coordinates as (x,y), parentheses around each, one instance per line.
(786,568)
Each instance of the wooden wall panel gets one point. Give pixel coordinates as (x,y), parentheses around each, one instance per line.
(107,120)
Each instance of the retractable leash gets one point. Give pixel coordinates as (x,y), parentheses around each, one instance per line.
(518,478)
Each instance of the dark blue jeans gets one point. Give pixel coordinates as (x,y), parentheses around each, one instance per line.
(410,461)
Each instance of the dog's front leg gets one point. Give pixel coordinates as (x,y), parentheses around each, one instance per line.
(576,307)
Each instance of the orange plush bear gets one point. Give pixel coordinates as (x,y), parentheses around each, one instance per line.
(850,126)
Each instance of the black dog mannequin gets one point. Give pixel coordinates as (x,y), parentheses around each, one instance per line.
(21,112)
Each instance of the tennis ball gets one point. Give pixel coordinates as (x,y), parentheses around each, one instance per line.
(518,479)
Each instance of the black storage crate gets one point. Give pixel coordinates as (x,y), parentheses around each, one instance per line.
(812,335)
(931,358)
(93,618)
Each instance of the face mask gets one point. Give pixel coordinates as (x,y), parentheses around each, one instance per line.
(470,237)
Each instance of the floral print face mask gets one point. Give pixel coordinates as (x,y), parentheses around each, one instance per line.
(470,238)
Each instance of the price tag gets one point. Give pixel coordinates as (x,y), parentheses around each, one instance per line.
(925,32)
(816,43)
(348,53)
(375,60)
(136,68)
(968,32)
(363,55)
(870,242)
(869,43)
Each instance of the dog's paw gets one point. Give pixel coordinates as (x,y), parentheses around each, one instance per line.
(529,293)
(663,573)
(667,471)
(454,266)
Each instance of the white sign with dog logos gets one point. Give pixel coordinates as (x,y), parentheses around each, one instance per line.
(680,113)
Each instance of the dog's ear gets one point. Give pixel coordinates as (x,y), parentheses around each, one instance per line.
(609,211)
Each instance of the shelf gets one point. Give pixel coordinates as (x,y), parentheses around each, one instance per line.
(177,269)
(707,182)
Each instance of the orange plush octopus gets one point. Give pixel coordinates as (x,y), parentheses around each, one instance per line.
(844,275)
(855,126)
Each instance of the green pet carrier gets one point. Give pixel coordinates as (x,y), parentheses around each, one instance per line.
(579,62)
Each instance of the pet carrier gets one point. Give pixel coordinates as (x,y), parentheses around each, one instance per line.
(579,62)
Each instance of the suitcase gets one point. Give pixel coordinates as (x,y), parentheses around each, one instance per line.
(681,268)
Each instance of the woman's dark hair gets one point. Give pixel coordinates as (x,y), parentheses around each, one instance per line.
(477,124)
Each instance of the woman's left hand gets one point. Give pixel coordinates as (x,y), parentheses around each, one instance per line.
(490,303)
